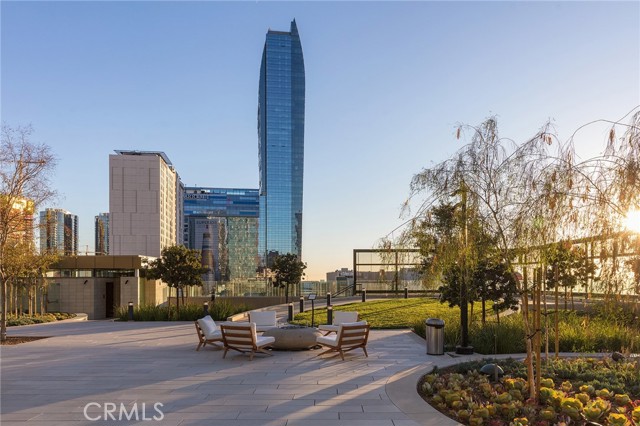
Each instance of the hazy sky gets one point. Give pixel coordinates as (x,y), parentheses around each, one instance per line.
(386,85)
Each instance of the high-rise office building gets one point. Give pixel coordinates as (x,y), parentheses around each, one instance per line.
(102,234)
(223,224)
(281,103)
(145,209)
(58,232)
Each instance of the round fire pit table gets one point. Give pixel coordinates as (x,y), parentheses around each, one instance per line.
(293,338)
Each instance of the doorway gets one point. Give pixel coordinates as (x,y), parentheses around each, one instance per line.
(109,300)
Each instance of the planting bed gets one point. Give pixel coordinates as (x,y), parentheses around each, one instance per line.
(575,391)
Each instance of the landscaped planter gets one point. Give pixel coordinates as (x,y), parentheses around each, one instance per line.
(601,390)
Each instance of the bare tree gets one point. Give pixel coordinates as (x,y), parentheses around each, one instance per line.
(25,168)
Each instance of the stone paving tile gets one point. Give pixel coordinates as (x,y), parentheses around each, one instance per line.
(50,381)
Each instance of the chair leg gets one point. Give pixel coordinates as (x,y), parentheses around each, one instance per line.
(365,352)
(199,345)
(225,352)
(327,351)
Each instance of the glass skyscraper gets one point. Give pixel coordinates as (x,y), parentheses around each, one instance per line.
(222,223)
(281,99)
(58,232)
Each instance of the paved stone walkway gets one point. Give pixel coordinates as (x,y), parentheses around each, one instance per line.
(134,365)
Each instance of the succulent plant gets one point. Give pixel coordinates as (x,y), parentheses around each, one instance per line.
(595,410)
(566,386)
(622,399)
(482,412)
(588,389)
(547,383)
(618,420)
(503,398)
(635,415)
(604,393)
(583,397)
(475,421)
(571,407)
(519,421)
(548,414)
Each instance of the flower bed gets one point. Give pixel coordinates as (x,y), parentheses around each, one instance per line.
(579,391)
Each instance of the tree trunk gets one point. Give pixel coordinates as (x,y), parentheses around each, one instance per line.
(3,315)
(533,393)
(286,293)
(484,310)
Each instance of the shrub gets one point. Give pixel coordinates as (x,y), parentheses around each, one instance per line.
(13,320)
(219,311)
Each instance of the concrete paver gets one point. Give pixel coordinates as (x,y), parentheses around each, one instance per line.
(131,367)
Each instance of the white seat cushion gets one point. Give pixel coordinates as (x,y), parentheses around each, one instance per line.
(328,340)
(328,327)
(263,318)
(209,328)
(340,317)
(264,340)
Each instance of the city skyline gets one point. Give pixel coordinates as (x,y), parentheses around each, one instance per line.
(387,84)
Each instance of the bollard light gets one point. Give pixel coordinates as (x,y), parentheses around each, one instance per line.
(406,292)
(205,308)
(130,311)
(301,304)
(364,294)
(328,300)
(329,314)
(290,316)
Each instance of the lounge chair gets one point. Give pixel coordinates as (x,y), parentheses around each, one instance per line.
(208,332)
(339,317)
(242,337)
(264,320)
(350,336)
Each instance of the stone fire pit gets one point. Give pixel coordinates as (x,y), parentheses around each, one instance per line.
(293,338)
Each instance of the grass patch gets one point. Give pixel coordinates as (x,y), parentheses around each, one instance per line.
(579,332)
(390,313)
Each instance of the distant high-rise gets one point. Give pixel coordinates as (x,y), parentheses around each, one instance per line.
(145,203)
(223,224)
(281,103)
(58,232)
(102,234)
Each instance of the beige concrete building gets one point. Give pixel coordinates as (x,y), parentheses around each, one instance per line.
(145,203)
(97,285)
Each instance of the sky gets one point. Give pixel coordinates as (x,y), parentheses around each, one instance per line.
(387,84)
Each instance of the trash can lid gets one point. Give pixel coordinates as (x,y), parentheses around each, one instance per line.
(436,322)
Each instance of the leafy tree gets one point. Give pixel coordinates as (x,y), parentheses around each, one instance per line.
(178,267)
(493,281)
(25,167)
(288,270)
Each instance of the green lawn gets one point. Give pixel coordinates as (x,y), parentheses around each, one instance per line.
(389,313)
(578,332)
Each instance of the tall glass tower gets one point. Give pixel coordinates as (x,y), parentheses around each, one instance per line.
(281,144)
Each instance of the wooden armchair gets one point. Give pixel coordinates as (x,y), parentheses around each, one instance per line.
(339,317)
(208,332)
(350,336)
(242,337)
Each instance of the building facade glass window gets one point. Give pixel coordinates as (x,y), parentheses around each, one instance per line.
(281,105)
(222,223)
(58,232)
(102,234)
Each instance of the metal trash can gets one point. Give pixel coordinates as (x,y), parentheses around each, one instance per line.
(434,331)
